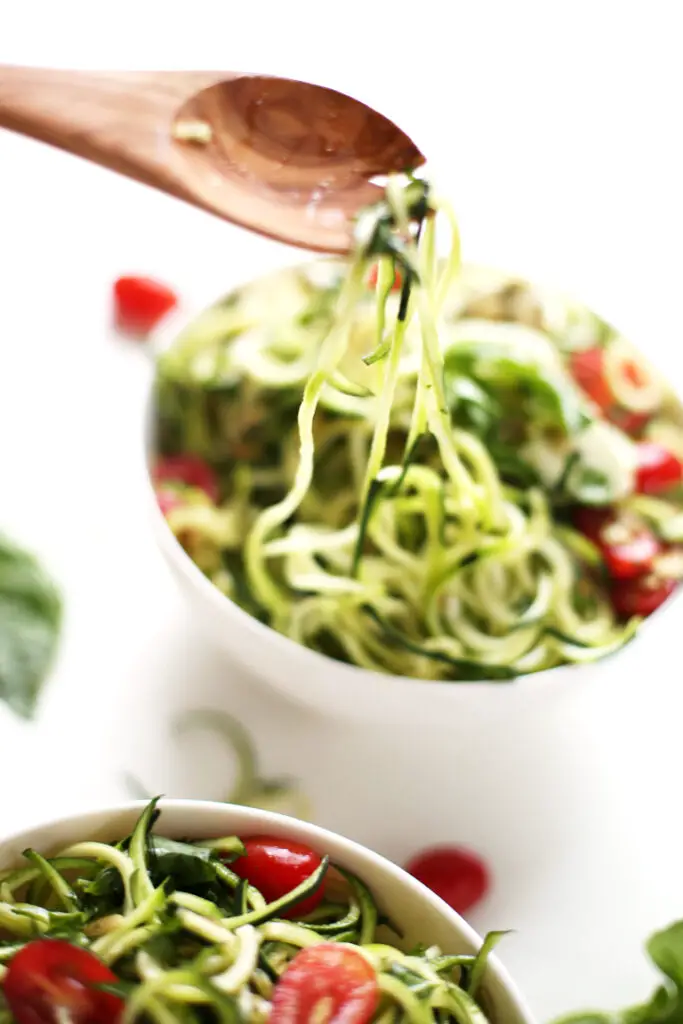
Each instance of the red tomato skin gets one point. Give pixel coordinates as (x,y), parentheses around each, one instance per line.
(625,558)
(591,521)
(372,279)
(458,876)
(588,370)
(331,972)
(632,423)
(140,303)
(658,469)
(50,975)
(276,866)
(640,596)
(632,558)
(189,470)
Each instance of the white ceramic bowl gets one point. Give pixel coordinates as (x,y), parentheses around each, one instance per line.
(343,690)
(421,915)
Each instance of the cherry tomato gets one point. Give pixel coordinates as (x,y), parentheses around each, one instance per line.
(330,983)
(140,303)
(658,468)
(372,279)
(276,866)
(591,521)
(458,876)
(189,470)
(632,423)
(631,556)
(50,981)
(588,370)
(641,596)
(627,545)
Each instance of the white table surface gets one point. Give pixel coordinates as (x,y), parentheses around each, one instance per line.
(555,128)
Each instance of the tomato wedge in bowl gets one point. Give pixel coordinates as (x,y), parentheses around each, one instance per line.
(159,921)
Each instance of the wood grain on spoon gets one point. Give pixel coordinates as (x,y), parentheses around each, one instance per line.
(290,160)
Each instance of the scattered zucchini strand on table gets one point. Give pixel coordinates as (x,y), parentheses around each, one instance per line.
(377,530)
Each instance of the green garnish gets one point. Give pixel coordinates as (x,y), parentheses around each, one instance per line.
(665,1006)
(30,619)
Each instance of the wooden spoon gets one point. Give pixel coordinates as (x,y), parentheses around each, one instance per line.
(288,159)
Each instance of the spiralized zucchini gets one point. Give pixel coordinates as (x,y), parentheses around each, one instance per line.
(189,941)
(396,466)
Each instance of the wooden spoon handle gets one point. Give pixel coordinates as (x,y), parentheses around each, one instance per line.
(119,119)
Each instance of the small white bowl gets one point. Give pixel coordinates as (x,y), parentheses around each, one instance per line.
(421,916)
(342,690)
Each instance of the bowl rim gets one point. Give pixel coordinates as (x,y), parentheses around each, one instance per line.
(317,835)
(283,645)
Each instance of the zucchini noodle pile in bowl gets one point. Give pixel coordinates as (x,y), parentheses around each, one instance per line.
(417,468)
(171,915)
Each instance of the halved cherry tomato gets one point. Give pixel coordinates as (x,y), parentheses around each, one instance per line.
(140,303)
(372,279)
(632,423)
(641,596)
(50,981)
(627,545)
(591,521)
(633,555)
(658,468)
(588,370)
(189,470)
(276,866)
(330,983)
(458,876)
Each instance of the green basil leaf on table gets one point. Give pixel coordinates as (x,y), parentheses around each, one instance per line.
(30,619)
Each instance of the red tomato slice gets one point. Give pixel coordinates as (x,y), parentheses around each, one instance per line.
(140,303)
(458,876)
(591,521)
(588,370)
(641,596)
(50,981)
(330,983)
(372,279)
(627,545)
(632,423)
(276,866)
(632,557)
(189,470)
(658,469)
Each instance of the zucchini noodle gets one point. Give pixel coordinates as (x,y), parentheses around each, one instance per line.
(397,465)
(190,938)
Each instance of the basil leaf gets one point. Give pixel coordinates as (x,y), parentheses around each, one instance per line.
(30,618)
(666,1004)
(185,865)
(528,392)
(666,952)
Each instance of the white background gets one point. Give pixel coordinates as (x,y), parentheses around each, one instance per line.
(555,127)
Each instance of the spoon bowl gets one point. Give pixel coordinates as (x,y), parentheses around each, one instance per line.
(288,159)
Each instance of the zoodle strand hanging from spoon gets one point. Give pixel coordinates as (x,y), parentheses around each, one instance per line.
(407,464)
